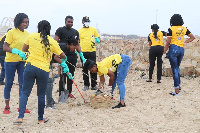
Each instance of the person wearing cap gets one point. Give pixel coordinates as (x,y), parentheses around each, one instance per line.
(88,38)
(62,34)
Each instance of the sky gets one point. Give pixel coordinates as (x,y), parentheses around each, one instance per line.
(109,16)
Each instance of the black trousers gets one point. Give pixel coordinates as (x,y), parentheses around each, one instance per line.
(73,61)
(155,52)
(93,76)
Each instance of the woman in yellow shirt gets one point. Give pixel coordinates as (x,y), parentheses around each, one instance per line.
(155,40)
(15,58)
(41,47)
(175,36)
(116,67)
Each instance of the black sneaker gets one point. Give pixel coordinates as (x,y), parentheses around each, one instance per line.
(94,88)
(119,106)
(98,92)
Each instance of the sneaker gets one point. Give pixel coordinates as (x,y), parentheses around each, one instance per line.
(2,83)
(86,88)
(6,110)
(51,106)
(71,96)
(98,92)
(26,110)
(119,106)
(94,88)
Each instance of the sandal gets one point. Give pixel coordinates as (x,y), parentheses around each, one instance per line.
(18,122)
(43,121)
(148,81)
(158,82)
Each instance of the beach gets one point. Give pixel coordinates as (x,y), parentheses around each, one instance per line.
(149,108)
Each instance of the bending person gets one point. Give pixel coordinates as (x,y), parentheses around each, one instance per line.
(175,45)
(41,47)
(116,67)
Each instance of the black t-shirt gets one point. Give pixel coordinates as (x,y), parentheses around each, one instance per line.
(64,32)
(2,53)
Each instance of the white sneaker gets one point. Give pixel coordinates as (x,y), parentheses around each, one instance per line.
(86,88)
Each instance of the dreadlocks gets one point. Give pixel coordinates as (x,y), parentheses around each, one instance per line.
(176,20)
(19,19)
(44,28)
(155,27)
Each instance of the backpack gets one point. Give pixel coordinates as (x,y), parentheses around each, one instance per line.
(2,53)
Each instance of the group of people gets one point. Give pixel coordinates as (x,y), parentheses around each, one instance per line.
(174,45)
(43,50)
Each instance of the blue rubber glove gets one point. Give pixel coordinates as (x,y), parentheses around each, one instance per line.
(82,57)
(64,60)
(65,67)
(97,40)
(70,76)
(20,53)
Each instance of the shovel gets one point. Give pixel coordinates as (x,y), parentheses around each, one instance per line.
(64,94)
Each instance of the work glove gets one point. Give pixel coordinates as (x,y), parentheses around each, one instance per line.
(64,60)
(82,57)
(97,40)
(65,67)
(20,53)
(70,76)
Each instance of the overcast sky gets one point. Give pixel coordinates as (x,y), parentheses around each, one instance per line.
(109,16)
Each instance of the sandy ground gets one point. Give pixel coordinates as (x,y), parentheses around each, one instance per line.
(150,109)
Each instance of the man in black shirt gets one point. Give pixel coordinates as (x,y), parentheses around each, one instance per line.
(61,36)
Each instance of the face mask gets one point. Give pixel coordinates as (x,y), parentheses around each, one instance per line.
(87,24)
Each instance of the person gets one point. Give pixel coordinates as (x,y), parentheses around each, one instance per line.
(61,36)
(15,58)
(2,58)
(116,67)
(41,47)
(88,36)
(175,45)
(50,102)
(156,50)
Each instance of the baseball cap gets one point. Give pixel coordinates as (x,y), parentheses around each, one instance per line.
(86,19)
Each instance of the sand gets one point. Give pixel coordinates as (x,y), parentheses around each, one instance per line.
(150,109)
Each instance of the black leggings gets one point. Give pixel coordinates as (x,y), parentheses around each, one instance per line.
(72,59)
(91,56)
(155,51)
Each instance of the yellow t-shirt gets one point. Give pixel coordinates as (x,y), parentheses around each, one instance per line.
(158,41)
(177,34)
(87,41)
(16,39)
(110,62)
(38,55)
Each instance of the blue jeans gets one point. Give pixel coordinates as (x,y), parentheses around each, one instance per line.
(120,76)
(176,54)
(10,68)
(30,74)
(2,76)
